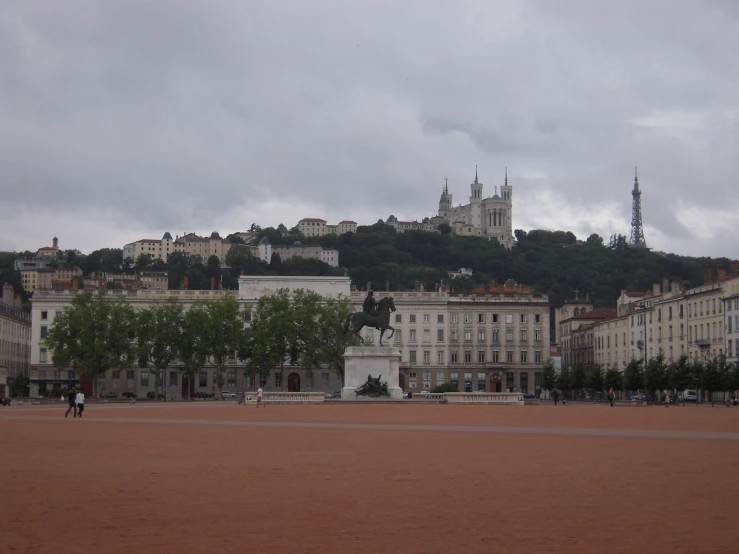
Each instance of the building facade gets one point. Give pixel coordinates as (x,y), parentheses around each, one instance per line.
(298,250)
(15,335)
(731,325)
(315,227)
(190,244)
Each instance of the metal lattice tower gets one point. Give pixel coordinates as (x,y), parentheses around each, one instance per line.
(637,230)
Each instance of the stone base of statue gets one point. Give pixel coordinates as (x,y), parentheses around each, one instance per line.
(371,373)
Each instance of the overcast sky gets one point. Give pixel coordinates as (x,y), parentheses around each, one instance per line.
(120,120)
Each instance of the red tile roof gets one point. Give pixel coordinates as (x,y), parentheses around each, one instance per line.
(598,313)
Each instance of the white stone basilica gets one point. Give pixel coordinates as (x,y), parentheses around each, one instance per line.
(482,217)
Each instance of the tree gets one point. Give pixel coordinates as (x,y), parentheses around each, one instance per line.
(564,380)
(596,239)
(223,329)
(159,332)
(19,385)
(633,376)
(679,376)
(254,228)
(331,330)
(143,262)
(696,376)
(655,374)
(594,378)
(578,377)
(614,379)
(272,334)
(192,346)
(549,376)
(711,377)
(306,345)
(94,334)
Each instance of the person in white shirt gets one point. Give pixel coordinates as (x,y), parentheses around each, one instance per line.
(80,401)
(259,398)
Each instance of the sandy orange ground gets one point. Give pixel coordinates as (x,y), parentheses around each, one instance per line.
(114,482)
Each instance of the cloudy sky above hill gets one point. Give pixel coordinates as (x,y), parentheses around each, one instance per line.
(123,120)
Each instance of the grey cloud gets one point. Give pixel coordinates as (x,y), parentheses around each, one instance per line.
(169,113)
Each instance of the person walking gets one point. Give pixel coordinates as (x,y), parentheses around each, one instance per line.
(80,401)
(611,396)
(72,399)
(555,396)
(260,402)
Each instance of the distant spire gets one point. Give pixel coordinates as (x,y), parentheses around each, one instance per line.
(506,176)
(446,185)
(475,173)
(636,178)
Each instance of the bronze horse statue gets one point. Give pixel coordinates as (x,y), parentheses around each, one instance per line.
(357,320)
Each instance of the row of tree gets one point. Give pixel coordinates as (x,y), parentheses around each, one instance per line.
(711,375)
(98,332)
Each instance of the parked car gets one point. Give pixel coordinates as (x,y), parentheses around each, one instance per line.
(529,395)
(5,401)
(225,395)
(151,394)
(690,395)
(129,394)
(109,394)
(202,394)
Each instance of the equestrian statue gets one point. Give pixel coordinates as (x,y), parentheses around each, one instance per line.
(374,314)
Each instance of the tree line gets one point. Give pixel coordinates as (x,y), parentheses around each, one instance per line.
(100,332)
(711,375)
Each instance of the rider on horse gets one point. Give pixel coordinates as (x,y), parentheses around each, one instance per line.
(370,307)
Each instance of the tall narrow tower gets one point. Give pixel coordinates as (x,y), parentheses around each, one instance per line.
(637,230)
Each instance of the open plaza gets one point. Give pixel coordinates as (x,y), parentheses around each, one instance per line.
(368,477)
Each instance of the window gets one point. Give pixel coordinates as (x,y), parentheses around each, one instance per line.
(659,314)
(398,318)
(440,378)
(44,315)
(426,318)
(496,356)
(480,356)
(454,379)
(231,378)
(42,374)
(509,335)
(468,334)
(468,356)
(398,337)
(413,336)
(481,318)
(524,356)
(440,356)
(440,318)
(481,382)
(172,378)
(130,379)
(426,335)
(42,353)
(278,380)
(523,318)
(495,335)
(509,381)
(413,356)
(412,380)
(537,318)
(537,335)
(426,357)
(412,318)
(481,335)
(58,313)
(509,318)
(509,356)
(524,378)
(468,318)
(454,335)
(495,318)
(325,379)
(144,378)
(455,356)
(455,318)
(537,356)
(440,335)
(524,335)
(203,379)
(262,380)
(44,331)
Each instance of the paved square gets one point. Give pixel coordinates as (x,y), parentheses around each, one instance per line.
(211,477)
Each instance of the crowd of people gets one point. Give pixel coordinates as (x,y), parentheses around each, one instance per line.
(76,400)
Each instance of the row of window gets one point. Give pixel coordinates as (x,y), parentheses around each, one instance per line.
(467,334)
(482,357)
(467,318)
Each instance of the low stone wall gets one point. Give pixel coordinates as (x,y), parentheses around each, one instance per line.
(286,397)
(502,398)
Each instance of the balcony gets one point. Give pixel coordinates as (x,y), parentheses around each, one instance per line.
(702,343)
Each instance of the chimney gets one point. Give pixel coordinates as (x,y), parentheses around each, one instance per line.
(665,285)
(185,283)
(708,274)
(8,294)
(655,289)
(212,283)
(675,287)
(721,273)
(734,269)
(18,300)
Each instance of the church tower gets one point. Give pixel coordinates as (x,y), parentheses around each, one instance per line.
(475,213)
(475,190)
(445,202)
(506,194)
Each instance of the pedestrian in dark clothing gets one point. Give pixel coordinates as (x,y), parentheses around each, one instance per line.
(555,396)
(611,396)
(72,399)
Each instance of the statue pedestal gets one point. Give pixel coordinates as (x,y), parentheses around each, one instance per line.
(361,361)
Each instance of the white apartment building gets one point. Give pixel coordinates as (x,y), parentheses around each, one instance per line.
(481,342)
(15,336)
(731,326)
(316,227)
(298,250)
